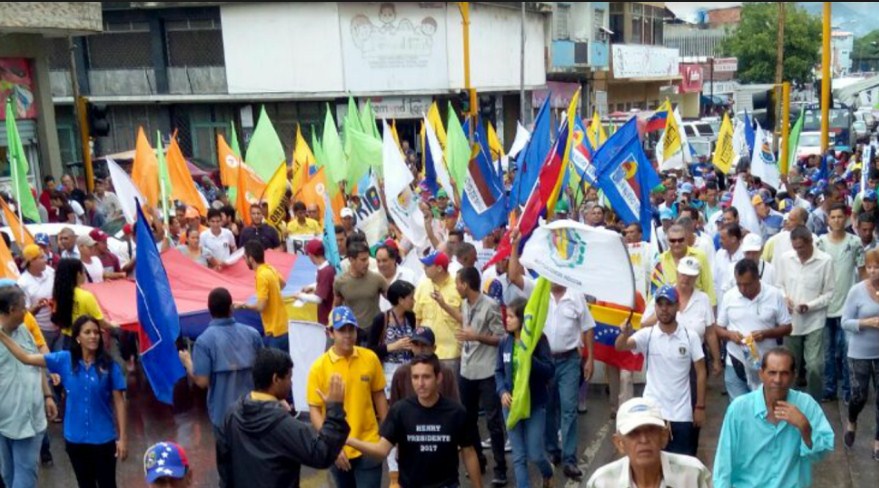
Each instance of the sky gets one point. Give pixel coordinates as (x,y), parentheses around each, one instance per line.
(685,10)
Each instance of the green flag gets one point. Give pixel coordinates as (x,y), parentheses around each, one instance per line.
(317,149)
(334,154)
(19,168)
(164,178)
(367,121)
(265,151)
(457,151)
(532,330)
(364,152)
(233,143)
(792,145)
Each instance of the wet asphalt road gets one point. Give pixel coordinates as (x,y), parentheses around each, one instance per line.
(187,423)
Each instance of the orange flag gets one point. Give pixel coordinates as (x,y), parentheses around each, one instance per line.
(8,269)
(19,232)
(182,186)
(233,172)
(145,170)
(312,192)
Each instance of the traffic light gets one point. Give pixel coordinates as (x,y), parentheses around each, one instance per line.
(486,108)
(464,101)
(98,119)
(764,103)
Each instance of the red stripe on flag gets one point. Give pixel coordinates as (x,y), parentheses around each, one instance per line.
(621,359)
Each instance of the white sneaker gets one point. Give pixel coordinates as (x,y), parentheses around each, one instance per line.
(486,444)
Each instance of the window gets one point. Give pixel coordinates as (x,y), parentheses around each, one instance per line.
(637,31)
(637,8)
(658,28)
(598,23)
(122,45)
(562,18)
(617,23)
(194,42)
(688,129)
(617,7)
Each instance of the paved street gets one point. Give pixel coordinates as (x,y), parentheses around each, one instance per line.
(188,424)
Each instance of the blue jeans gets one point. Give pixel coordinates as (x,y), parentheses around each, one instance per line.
(835,359)
(526,439)
(684,438)
(281,342)
(561,409)
(18,460)
(735,386)
(365,472)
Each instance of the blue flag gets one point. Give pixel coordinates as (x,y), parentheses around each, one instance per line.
(483,206)
(749,133)
(626,176)
(331,249)
(531,158)
(430,178)
(157,314)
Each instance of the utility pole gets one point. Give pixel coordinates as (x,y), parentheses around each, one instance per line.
(80,108)
(825,81)
(464,7)
(522,69)
(779,74)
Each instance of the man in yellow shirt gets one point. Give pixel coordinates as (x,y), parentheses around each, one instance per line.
(269,303)
(666,269)
(301,224)
(435,297)
(365,402)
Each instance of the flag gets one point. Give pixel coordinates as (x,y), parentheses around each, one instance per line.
(126,191)
(494,143)
(581,158)
(457,152)
(333,152)
(626,176)
(239,175)
(866,158)
(331,248)
(672,148)
(532,157)
(520,141)
(436,122)
(749,133)
(182,185)
(401,201)
(370,214)
(657,278)
(724,153)
(742,202)
(363,153)
(233,139)
(763,162)
(277,198)
(19,168)
(609,321)
(164,178)
(591,260)
(435,172)
(740,140)
(145,169)
(303,159)
(317,148)
(532,330)
(483,206)
(658,120)
(9,269)
(265,151)
(367,121)
(19,231)
(596,133)
(795,142)
(312,193)
(157,314)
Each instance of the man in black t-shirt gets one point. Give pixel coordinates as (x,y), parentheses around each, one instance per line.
(427,429)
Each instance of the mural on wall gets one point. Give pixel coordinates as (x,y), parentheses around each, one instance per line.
(16,82)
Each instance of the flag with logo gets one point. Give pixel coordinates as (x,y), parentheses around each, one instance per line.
(370,215)
(672,146)
(483,205)
(157,314)
(535,318)
(277,197)
(313,191)
(763,162)
(724,153)
(236,173)
(401,200)
(626,176)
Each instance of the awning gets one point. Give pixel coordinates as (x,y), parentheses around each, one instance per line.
(849,94)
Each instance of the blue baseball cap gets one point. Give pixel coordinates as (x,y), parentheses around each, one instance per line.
(870,195)
(436,258)
(667,292)
(4,282)
(42,239)
(424,335)
(686,188)
(666,214)
(343,316)
(165,460)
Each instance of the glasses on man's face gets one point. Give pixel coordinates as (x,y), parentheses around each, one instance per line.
(676,241)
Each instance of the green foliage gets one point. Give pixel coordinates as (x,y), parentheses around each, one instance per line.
(754,43)
(865,53)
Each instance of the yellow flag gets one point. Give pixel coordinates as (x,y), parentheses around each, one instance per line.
(494,143)
(672,143)
(436,122)
(596,133)
(277,196)
(303,159)
(22,236)
(724,154)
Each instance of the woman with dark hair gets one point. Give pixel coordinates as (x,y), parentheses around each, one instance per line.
(61,210)
(526,437)
(71,301)
(95,423)
(191,248)
(389,336)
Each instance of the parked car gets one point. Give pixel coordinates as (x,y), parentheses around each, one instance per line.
(698,129)
(810,143)
(862,134)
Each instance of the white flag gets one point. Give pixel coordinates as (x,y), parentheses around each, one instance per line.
(401,200)
(436,153)
(742,202)
(588,259)
(521,140)
(125,190)
(763,162)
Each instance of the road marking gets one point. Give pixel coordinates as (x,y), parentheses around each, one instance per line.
(593,447)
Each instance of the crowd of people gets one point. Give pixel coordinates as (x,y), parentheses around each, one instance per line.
(784,308)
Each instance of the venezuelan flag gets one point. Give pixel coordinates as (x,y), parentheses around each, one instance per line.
(608,321)
(658,120)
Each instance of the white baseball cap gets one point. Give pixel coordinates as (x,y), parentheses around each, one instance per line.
(689,266)
(752,242)
(638,412)
(346,212)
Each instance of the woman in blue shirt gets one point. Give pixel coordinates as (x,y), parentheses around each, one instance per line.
(526,437)
(94,426)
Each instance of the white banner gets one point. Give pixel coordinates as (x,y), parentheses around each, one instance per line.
(588,259)
(637,61)
(296,243)
(308,340)
(370,215)
(394,46)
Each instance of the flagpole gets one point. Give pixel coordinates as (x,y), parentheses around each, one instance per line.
(15,186)
(162,189)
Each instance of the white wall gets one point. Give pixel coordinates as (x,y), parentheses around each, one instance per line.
(297,48)
(282,47)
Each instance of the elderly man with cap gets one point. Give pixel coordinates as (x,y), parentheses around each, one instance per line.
(437,306)
(677,350)
(321,291)
(110,262)
(165,465)
(67,244)
(347,215)
(89,256)
(770,220)
(365,403)
(641,437)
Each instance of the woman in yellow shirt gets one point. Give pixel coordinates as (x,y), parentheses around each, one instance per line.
(71,301)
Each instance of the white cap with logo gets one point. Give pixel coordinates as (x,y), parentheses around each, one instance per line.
(689,266)
(638,412)
(752,242)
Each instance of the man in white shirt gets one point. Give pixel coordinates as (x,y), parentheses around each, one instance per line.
(729,254)
(751,313)
(779,244)
(216,243)
(88,255)
(67,243)
(806,278)
(675,350)
(108,202)
(36,282)
(568,328)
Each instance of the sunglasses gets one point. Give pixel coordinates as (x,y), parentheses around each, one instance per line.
(676,241)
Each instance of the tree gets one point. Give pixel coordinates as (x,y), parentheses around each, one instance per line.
(865,53)
(753,42)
